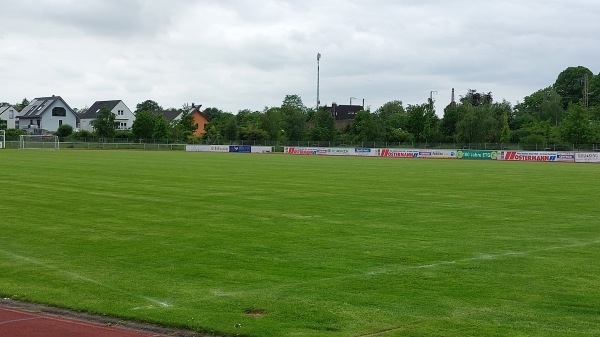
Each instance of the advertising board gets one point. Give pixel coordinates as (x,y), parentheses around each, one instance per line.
(565,157)
(301,150)
(398,153)
(443,154)
(207,148)
(587,157)
(528,156)
(262,149)
(477,154)
(329,151)
(240,149)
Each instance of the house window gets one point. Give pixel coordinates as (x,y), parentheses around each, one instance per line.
(60,122)
(123,126)
(59,112)
(120,113)
(11,114)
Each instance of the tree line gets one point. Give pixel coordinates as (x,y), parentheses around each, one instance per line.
(566,112)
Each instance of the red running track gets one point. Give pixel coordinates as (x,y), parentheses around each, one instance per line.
(18,323)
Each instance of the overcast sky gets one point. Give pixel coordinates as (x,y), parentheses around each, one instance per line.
(235,54)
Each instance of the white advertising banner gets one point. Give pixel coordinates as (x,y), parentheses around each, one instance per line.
(587,157)
(262,149)
(437,154)
(207,148)
(365,152)
(332,151)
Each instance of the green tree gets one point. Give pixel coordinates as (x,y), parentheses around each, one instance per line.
(213,113)
(185,127)
(394,120)
(474,125)
(362,128)
(143,126)
(231,131)
(211,136)
(20,106)
(148,106)
(295,117)
(105,124)
(324,126)
(544,104)
(577,127)
(273,121)
(569,84)
(161,130)
(251,132)
(476,99)
(64,131)
(449,121)
(505,135)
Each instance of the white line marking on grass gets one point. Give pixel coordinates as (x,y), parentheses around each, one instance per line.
(401,268)
(156,303)
(480,257)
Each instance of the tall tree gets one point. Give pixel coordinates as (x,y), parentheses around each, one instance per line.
(324,126)
(569,84)
(362,127)
(149,106)
(476,99)
(505,135)
(577,127)
(143,126)
(22,105)
(184,128)
(230,130)
(273,121)
(161,130)
(105,124)
(394,120)
(449,121)
(544,104)
(475,124)
(295,117)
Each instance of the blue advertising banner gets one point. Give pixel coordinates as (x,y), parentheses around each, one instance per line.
(240,148)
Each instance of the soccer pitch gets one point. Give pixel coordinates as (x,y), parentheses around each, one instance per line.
(278,245)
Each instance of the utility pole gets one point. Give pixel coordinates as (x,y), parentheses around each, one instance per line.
(586,90)
(431,98)
(318,75)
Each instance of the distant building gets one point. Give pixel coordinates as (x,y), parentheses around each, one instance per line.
(198,116)
(200,119)
(9,115)
(123,115)
(45,114)
(344,114)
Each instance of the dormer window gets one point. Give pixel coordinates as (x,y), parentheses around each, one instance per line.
(59,112)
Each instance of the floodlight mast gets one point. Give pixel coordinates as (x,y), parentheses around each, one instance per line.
(318,79)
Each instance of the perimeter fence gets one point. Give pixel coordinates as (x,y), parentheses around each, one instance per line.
(278,146)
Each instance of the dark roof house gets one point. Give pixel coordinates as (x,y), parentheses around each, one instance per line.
(46,114)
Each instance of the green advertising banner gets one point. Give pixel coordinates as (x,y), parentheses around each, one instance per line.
(477,154)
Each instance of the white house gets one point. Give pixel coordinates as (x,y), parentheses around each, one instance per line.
(10,115)
(46,114)
(123,116)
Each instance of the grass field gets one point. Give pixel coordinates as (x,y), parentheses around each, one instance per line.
(276,245)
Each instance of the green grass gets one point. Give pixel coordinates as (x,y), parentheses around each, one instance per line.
(319,246)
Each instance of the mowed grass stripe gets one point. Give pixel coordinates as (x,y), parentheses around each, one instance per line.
(318,246)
